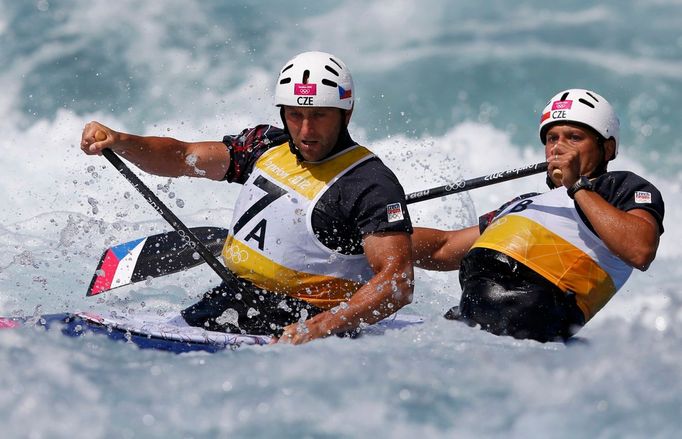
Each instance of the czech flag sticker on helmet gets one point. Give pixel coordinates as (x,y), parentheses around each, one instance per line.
(345,94)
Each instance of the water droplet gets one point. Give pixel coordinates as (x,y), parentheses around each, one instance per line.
(661,324)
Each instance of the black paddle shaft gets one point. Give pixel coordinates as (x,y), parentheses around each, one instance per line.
(169,216)
(486,180)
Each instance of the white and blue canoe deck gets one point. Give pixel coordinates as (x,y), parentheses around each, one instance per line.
(167,332)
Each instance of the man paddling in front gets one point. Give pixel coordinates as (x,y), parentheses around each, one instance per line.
(543,265)
(320,238)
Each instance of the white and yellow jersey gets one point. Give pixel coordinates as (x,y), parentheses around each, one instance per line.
(546,233)
(271,241)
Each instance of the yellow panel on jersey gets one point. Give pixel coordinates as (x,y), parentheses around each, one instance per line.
(307,178)
(551,256)
(322,291)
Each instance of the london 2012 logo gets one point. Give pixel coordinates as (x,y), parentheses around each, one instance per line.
(305,89)
(562,105)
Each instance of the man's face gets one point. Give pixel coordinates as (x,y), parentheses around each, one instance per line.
(582,141)
(314,130)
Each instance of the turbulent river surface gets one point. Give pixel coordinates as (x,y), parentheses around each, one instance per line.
(445,90)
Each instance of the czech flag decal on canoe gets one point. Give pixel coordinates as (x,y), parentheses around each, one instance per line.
(116,266)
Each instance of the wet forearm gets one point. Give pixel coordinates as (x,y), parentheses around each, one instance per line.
(383,295)
(162,156)
(632,238)
(441,250)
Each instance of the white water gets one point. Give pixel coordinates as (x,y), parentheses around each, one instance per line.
(445,91)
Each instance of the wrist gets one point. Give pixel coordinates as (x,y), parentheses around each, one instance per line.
(583,183)
(321,325)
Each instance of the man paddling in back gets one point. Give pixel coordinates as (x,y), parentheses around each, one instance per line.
(320,238)
(543,265)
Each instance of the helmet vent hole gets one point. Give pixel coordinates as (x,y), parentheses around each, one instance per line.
(287,68)
(306,76)
(329,83)
(592,96)
(335,62)
(583,101)
(285,81)
(329,69)
(564,96)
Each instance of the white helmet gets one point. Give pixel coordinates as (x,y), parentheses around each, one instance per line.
(315,79)
(582,106)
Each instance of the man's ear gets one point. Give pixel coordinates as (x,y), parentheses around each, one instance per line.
(609,149)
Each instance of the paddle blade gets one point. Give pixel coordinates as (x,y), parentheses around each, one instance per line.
(152,257)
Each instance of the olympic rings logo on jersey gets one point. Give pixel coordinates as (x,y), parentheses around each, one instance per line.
(236,256)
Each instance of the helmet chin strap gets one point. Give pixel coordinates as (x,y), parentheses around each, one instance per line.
(601,169)
(549,182)
(292,147)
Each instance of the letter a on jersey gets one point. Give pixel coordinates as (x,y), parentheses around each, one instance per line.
(258,233)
